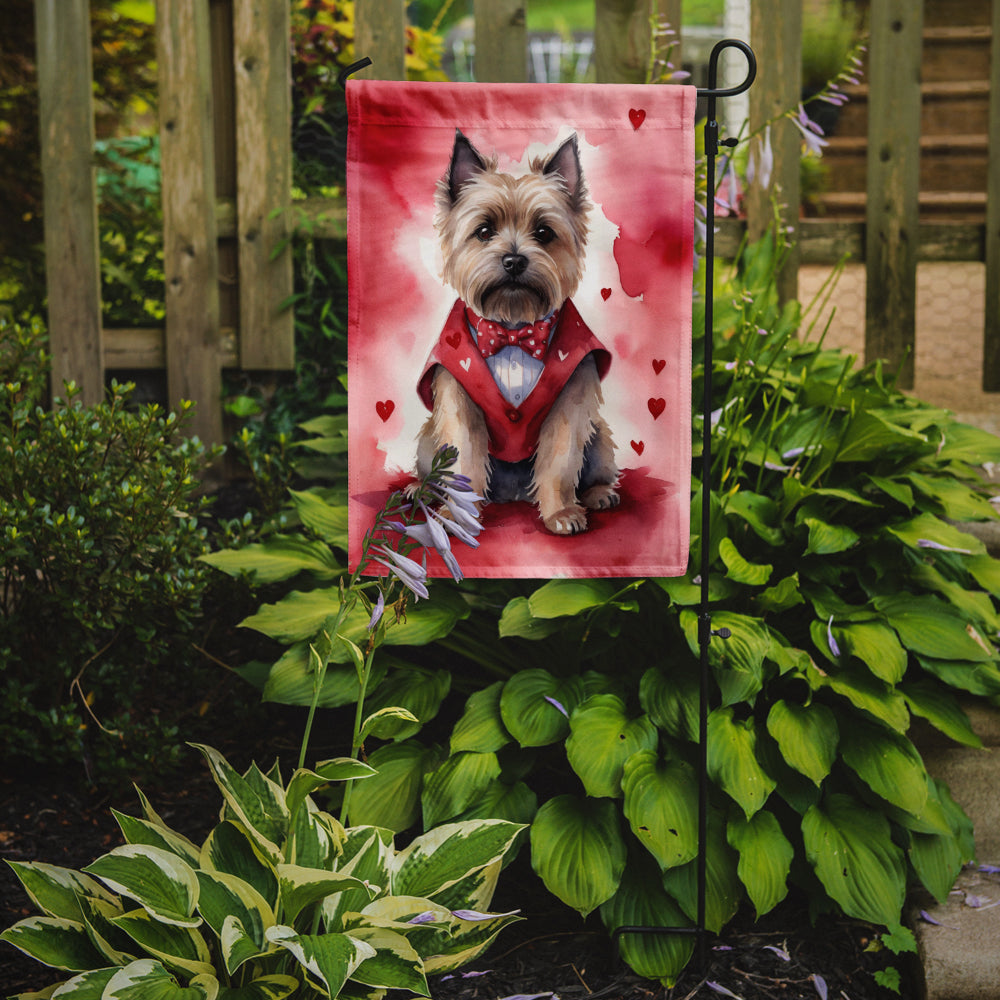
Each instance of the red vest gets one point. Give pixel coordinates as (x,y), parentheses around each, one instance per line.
(513,430)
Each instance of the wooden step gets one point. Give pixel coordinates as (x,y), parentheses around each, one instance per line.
(956,53)
(958,206)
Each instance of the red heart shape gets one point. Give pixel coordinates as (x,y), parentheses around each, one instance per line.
(605,294)
(657,406)
(638,447)
(454,339)
(636,117)
(658,365)
(384,410)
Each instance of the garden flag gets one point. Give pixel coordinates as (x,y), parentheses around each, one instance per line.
(520,283)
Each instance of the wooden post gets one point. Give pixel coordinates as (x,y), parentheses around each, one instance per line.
(72,255)
(262,61)
(892,214)
(622,40)
(501,41)
(380,34)
(669,12)
(190,254)
(776,35)
(991,333)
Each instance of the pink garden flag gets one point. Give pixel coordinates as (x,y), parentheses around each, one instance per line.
(520,281)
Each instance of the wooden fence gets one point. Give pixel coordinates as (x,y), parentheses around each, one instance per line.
(226,161)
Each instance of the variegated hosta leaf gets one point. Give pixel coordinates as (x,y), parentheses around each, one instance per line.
(850,847)
(56,891)
(535,706)
(315,838)
(456,784)
(158,880)
(147,979)
(304,782)
(329,959)
(300,887)
(256,801)
(274,987)
(116,947)
(225,897)
(765,858)
(642,902)
(602,737)
(230,849)
(475,891)
(807,736)
(578,851)
(86,986)
(732,760)
(661,805)
(141,831)
(481,727)
(177,947)
(395,964)
(888,763)
(367,853)
(467,940)
(441,857)
(54,941)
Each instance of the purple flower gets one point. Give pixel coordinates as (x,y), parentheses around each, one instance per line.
(475,915)
(811,132)
(761,163)
(427,917)
(377,611)
(820,983)
(558,705)
(411,574)
(780,952)
(719,988)
(927,543)
(834,648)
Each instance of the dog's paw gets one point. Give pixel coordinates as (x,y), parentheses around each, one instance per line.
(567,521)
(601,497)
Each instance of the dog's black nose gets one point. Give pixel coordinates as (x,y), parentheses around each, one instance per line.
(514,264)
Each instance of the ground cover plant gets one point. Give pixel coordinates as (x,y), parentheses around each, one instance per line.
(854,605)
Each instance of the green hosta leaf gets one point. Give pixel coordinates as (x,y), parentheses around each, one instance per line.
(957,501)
(602,738)
(888,763)
(180,948)
(279,558)
(827,539)
(291,680)
(661,798)
(226,898)
(391,798)
(301,887)
(850,848)
(870,436)
(682,591)
(928,528)
(327,520)
(230,849)
(723,889)
(739,569)
(876,646)
(415,689)
(275,987)
(758,511)
(517,620)
(641,901)
(559,598)
(147,979)
(941,709)
(56,891)
(330,959)
(807,736)
(578,851)
(159,881)
(535,706)
(937,859)
(438,859)
(986,572)
(141,831)
(395,964)
(965,443)
(738,661)
(671,700)
(260,809)
(931,628)
(456,784)
(481,728)
(893,488)
(732,760)
(866,692)
(783,595)
(516,803)
(976,678)
(976,605)
(54,941)
(765,858)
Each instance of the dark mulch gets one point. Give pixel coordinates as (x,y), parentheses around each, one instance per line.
(551,951)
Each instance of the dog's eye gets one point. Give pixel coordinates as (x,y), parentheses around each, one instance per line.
(544,234)
(484,232)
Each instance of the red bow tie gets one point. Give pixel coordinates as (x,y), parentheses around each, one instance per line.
(492,337)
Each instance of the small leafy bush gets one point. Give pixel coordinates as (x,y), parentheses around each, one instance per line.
(280,899)
(101,584)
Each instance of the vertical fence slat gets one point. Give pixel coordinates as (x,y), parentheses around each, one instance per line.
(380,34)
(501,41)
(190,253)
(776,35)
(621,40)
(991,332)
(669,11)
(261,57)
(892,215)
(72,257)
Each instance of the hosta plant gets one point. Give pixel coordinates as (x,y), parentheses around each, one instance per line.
(279,900)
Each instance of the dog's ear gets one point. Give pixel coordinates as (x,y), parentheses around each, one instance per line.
(466,163)
(565,162)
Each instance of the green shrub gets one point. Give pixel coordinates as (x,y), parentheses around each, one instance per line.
(99,541)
